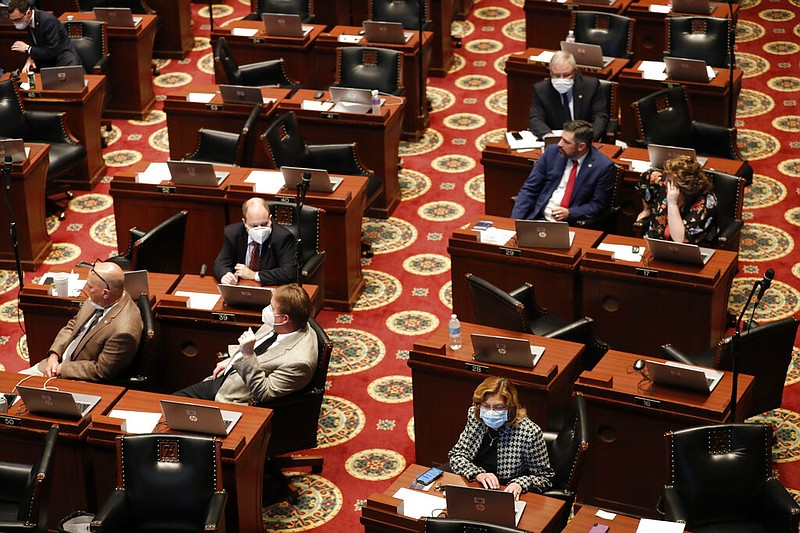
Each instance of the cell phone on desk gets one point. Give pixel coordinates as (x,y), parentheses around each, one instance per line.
(429,476)
(599,528)
(516,135)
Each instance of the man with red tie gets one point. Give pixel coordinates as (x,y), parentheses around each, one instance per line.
(571,181)
(256,249)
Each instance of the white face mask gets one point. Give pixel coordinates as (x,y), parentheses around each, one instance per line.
(260,234)
(268,317)
(21,25)
(96,305)
(562,85)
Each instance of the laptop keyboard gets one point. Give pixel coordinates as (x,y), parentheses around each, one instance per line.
(227,422)
(709,380)
(82,407)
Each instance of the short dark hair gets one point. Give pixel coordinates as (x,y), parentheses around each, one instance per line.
(584,133)
(19,5)
(294,302)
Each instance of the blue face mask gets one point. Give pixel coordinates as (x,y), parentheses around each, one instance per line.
(494,419)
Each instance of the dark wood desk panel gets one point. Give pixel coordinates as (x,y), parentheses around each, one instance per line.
(523,74)
(8,35)
(380,513)
(174,39)
(27,201)
(442,57)
(708,102)
(243,451)
(586,517)
(626,466)
(439,372)
(505,171)
(416,118)
(296,52)
(185,118)
(650,40)
(83,110)
(637,307)
(378,139)
(548,22)
(130,79)
(341,238)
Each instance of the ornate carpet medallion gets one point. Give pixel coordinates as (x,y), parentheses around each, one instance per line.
(319,501)
(441,211)
(388,235)
(440,99)
(22,348)
(751,64)
(756,145)
(91,203)
(762,242)
(764,192)
(474,188)
(785,424)
(428,142)
(122,158)
(790,167)
(491,136)
(104,231)
(788,123)
(412,323)
(413,184)
(427,264)
(153,117)
(464,121)
(354,351)
(754,103)
(497,102)
(375,464)
(8,311)
(391,389)
(475,82)
(793,375)
(8,280)
(747,31)
(380,290)
(63,252)
(159,140)
(446,294)
(515,30)
(780,301)
(206,63)
(173,80)
(340,420)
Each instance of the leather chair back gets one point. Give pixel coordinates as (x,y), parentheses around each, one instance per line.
(613,33)
(609,90)
(703,38)
(664,117)
(365,67)
(495,307)
(139,376)
(285,144)
(304,8)
(730,197)
(566,449)
(582,332)
(161,248)
(91,42)
(225,62)
(310,223)
(138,7)
(405,12)
(12,119)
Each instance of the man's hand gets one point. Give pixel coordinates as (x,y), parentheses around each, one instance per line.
(220,368)
(247,341)
(560,213)
(230,279)
(53,368)
(515,489)
(243,272)
(20,46)
(643,215)
(488,480)
(29,66)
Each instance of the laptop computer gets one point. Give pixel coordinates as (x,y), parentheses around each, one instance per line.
(321,181)
(245,296)
(351,100)
(377,31)
(137,283)
(683,376)
(284,25)
(693,7)
(14,148)
(116,16)
(678,252)
(587,55)
(543,234)
(56,403)
(685,69)
(63,78)
(196,418)
(483,505)
(505,350)
(241,94)
(660,153)
(195,173)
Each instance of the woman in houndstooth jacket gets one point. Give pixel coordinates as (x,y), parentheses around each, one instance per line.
(500,445)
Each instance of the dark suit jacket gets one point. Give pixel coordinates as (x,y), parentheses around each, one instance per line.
(278,265)
(51,46)
(588,103)
(591,194)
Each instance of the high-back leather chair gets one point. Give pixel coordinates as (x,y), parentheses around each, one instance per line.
(304,8)
(311,224)
(259,74)
(139,374)
(582,332)
(91,42)
(157,250)
(366,67)
(406,12)
(225,147)
(610,90)
(166,482)
(703,38)
(613,33)
(720,480)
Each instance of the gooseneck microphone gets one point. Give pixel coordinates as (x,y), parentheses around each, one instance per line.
(764,284)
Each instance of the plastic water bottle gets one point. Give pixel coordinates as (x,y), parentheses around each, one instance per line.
(376,102)
(455,332)
(570,37)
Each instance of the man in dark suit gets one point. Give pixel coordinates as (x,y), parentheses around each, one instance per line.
(50,46)
(567,95)
(256,249)
(571,181)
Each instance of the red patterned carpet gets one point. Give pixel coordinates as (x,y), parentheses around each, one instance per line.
(366,431)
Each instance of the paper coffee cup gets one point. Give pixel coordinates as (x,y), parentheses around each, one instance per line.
(62,284)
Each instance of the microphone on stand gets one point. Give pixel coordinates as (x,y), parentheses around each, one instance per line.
(12,223)
(7,172)
(764,284)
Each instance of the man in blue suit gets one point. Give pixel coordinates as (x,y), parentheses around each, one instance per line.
(571,181)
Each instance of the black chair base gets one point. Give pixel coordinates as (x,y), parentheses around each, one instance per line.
(276,486)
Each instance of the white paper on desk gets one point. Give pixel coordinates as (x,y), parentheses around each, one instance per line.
(137,421)
(265,181)
(711,73)
(660,8)
(244,32)
(605,515)
(154,174)
(316,105)
(544,57)
(622,252)
(637,165)
(496,236)
(202,98)
(266,100)
(653,70)
(418,504)
(350,38)
(652,65)
(519,508)
(528,141)
(200,300)
(647,525)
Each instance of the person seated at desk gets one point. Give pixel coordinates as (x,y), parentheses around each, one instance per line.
(100,342)
(679,202)
(500,445)
(51,45)
(571,181)
(256,249)
(567,95)
(279,358)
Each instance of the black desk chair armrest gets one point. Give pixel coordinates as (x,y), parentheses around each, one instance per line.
(340,156)
(778,509)
(17,526)
(113,516)
(216,508)
(102,65)
(15,480)
(296,398)
(49,126)
(715,140)
(674,354)
(313,264)
(671,506)
(729,233)
(561,494)
(605,221)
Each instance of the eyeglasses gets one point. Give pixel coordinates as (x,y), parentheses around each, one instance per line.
(91,269)
(498,407)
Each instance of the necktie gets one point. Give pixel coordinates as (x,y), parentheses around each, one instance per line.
(264,346)
(255,258)
(570,184)
(92,322)
(565,104)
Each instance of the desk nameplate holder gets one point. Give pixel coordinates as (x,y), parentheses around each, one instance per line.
(167,189)
(6,420)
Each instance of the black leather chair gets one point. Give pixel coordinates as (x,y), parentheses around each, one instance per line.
(582,332)
(91,42)
(225,147)
(66,153)
(610,90)
(139,375)
(228,71)
(721,481)
(449,525)
(157,250)
(406,12)
(165,483)
(304,8)
(366,67)
(312,222)
(703,38)
(25,490)
(765,353)
(664,118)
(607,221)
(613,33)
(516,310)
(295,420)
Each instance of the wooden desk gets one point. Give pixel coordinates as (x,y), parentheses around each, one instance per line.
(130,83)
(83,110)
(548,22)
(650,41)
(415,119)
(505,171)
(523,74)
(378,138)
(244,451)
(442,57)
(439,372)
(296,52)
(22,433)
(380,513)
(27,201)
(552,272)
(174,38)
(626,465)
(708,102)
(637,307)
(185,118)
(586,517)
(191,337)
